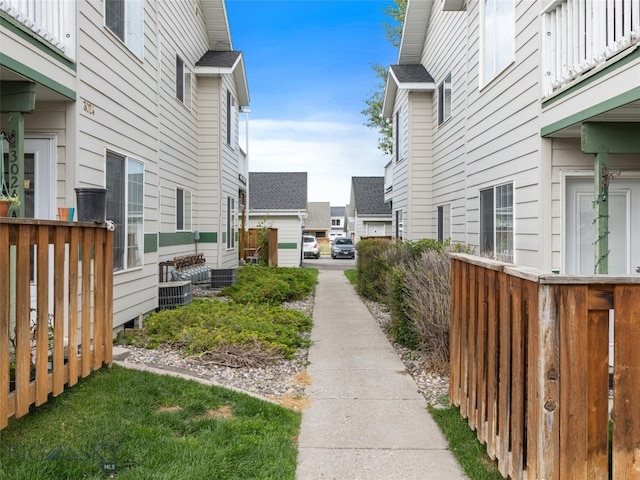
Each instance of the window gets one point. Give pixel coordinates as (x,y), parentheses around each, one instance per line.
(125,19)
(183,83)
(444,100)
(497,35)
(183,209)
(336,222)
(496,222)
(398,139)
(444,223)
(231,137)
(231,222)
(125,206)
(399,225)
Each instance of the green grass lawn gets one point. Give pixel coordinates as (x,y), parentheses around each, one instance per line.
(126,424)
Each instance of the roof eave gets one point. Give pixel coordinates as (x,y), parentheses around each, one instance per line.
(414,31)
(217,24)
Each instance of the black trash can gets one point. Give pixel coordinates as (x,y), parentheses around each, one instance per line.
(91,204)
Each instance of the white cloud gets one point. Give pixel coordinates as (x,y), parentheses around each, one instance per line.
(330,152)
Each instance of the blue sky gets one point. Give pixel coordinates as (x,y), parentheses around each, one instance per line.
(308,65)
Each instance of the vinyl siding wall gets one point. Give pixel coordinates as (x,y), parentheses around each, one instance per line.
(123,120)
(419,222)
(502,138)
(448,148)
(230,168)
(178,142)
(400,193)
(289,232)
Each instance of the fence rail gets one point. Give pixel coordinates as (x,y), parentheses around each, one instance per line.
(56,308)
(530,369)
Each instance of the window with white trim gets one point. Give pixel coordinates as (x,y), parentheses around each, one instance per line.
(183,82)
(231,222)
(398,136)
(125,19)
(444,222)
(125,207)
(496,222)
(183,209)
(497,26)
(444,100)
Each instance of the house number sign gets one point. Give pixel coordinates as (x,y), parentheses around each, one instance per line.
(89,108)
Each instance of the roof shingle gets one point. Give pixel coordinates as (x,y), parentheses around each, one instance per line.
(278,190)
(368,193)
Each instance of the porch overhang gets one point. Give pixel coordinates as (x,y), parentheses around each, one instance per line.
(602,139)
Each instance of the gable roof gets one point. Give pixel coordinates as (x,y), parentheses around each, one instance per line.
(368,194)
(278,190)
(230,62)
(409,77)
(318,215)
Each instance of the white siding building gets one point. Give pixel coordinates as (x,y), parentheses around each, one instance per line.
(141,98)
(498,150)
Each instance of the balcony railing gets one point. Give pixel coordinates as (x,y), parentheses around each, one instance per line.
(52,20)
(530,368)
(56,308)
(580,35)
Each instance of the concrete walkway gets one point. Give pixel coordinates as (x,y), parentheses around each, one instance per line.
(367,420)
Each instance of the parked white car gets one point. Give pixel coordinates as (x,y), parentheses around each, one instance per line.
(310,246)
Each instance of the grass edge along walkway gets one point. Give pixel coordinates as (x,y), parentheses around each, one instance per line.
(127,424)
(470,453)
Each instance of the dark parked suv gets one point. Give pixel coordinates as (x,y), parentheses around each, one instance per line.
(343,248)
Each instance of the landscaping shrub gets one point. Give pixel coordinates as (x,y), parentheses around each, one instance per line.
(422,313)
(402,326)
(206,326)
(413,279)
(271,285)
(373,268)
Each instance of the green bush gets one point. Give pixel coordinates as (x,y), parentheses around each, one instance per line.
(413,279)
(271,285)
(373,268)
(402,326)
(206,325)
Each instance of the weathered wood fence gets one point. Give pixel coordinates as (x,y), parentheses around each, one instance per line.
(250,243)
(530,369)
(56,308)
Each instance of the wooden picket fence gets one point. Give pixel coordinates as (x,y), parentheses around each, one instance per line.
(56,308)
(530,369)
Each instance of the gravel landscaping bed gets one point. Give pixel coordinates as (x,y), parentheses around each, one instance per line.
(285,380)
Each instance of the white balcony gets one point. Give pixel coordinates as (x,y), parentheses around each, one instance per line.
(580,35)
(53,21)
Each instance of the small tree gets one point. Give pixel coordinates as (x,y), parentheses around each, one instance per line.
(373,112)
(262,240)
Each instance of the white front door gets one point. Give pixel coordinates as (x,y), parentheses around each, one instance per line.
(624,226)
(38,177)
